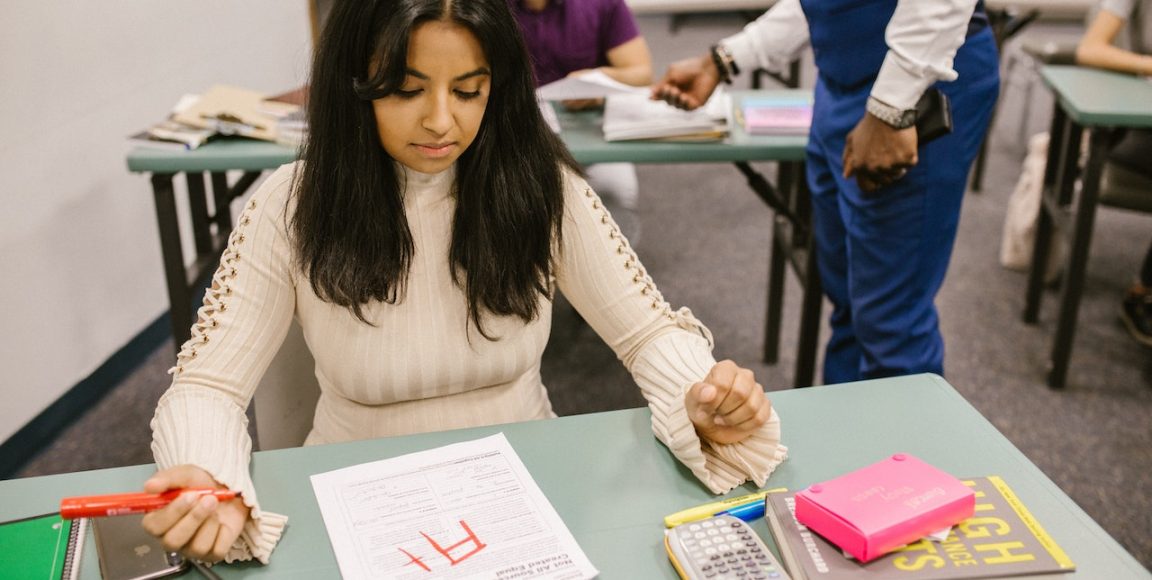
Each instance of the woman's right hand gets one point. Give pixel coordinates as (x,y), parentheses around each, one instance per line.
(688,83)
(200,528)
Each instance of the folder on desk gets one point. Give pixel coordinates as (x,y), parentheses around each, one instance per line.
(45,546)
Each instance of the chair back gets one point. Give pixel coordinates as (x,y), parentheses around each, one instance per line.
(1126,180)
(285,403)
(1126,189)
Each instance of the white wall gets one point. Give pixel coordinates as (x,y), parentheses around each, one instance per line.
(79,249)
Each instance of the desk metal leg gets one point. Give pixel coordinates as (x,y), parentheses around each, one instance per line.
(782,230)
(776,262)
(179,299)
(1059,143)
(808,344)
(198,208)
(1078,261)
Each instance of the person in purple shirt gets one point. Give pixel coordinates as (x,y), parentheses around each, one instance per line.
(567,37)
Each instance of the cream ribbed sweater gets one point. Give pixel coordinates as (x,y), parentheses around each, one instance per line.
(421,367)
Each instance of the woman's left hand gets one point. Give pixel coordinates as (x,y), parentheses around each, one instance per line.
(728,405)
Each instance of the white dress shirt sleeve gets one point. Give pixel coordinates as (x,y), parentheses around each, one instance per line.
(772,41)
(923,37)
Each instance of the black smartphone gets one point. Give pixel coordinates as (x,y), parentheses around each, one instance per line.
(933,116)
(128,552)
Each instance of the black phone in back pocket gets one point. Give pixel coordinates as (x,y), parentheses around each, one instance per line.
(128,552)
(933,116)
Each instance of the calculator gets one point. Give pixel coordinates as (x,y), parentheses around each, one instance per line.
(720,548)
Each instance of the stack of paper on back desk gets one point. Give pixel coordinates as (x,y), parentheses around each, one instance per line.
(636,116)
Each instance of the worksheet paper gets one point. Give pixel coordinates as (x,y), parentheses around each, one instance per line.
(467,510)
(593,84)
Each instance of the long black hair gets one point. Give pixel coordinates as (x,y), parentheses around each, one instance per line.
(349,229)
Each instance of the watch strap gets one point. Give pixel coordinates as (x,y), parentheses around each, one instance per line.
(891,116)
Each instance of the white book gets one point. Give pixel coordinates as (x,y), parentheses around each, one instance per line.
(635,116)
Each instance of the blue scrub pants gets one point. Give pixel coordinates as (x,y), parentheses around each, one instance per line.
(882,256)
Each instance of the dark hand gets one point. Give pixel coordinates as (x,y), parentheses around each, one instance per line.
(688,83)
(877,154)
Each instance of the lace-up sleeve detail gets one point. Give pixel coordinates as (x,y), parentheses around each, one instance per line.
(245,315)
(216,297)
(666,350)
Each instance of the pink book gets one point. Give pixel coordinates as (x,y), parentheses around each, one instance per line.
(787,118)
(876,509)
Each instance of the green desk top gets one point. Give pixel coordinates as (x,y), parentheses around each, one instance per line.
(612,482)
(1097,98)
(580,131)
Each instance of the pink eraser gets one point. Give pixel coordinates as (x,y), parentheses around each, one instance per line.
(879,508)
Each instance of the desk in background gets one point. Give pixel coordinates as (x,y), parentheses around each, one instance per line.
(612,482)
(580,131)
(1096,102)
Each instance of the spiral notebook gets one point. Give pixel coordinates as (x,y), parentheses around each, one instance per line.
(45,546)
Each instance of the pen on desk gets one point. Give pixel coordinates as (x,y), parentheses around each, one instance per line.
(205,571)
(122,504)
(748,512)
(708,510)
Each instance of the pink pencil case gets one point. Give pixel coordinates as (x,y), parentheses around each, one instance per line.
(879,508)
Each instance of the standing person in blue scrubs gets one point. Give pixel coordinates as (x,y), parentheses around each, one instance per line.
(885,207)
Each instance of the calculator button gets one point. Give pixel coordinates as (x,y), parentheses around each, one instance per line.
(713,532)
(694,527)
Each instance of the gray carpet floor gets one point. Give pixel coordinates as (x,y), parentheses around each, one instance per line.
(705,241)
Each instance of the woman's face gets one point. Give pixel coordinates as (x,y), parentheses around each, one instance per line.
(435,115)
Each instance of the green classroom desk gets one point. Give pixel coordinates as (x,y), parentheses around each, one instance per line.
(612,482)
(582,134)
(1086,101)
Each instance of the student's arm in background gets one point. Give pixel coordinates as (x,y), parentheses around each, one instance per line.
(1096,48)
(630,63)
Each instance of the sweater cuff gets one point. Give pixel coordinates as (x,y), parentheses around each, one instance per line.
(181,435)
(665,371)
(756,456)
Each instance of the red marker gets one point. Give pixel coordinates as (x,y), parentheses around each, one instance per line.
(122,504)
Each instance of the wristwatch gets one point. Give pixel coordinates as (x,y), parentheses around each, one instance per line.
(893,117)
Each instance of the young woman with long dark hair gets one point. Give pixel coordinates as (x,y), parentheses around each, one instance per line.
(419,242)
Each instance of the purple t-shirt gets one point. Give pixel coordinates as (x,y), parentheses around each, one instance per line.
(571,35)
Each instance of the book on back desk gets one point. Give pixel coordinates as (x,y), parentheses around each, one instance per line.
(776,115)
(1002,540)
